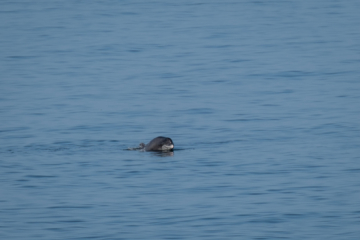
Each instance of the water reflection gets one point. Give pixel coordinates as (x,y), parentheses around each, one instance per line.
(163,154)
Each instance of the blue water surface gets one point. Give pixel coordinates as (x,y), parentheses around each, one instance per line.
(261,98)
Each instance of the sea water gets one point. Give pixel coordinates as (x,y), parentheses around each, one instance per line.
(261,98)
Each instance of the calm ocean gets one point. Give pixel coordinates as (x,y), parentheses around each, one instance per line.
(261,98)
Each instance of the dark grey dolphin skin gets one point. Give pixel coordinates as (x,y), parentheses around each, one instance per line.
(163,144)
